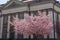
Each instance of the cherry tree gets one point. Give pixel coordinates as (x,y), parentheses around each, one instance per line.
(33,25)
(40,24)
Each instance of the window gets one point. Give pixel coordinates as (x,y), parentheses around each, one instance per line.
(5,25)
(12,33)
(21,15)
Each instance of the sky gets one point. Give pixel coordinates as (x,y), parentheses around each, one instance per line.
(4,1)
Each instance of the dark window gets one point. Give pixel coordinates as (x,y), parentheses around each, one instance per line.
(12,33)
(5,25)
(0,10)
(21,15)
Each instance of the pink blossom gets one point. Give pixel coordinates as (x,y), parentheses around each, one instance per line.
(33,25)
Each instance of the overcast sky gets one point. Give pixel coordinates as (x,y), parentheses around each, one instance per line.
(4,1)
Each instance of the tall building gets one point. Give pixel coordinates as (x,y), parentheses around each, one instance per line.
(18,9)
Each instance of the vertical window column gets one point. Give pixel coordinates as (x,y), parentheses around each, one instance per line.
(12,32)
(5,24)
(58,26)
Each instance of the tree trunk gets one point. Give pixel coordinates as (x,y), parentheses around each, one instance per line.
(35,37)
(20,37)
(58,36)
(29,37)
(42,37)
(47,37)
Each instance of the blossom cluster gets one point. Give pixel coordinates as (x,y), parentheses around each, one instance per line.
(33,25)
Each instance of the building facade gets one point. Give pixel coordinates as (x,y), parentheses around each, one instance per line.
(19,9)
